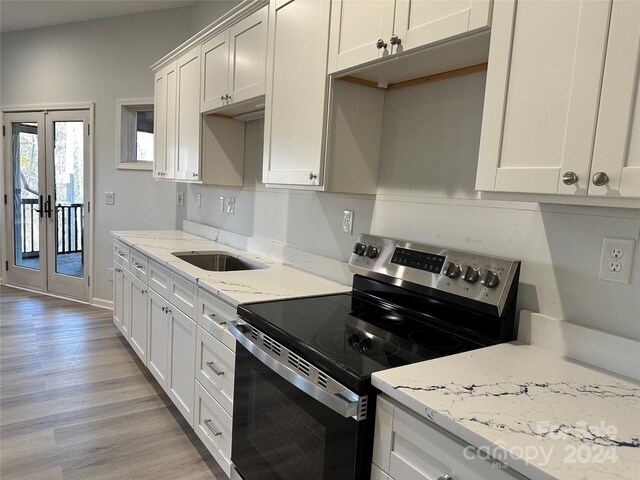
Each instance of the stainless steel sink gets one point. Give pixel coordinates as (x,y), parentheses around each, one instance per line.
(217,261)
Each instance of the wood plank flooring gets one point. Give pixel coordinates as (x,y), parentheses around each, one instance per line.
(76,403)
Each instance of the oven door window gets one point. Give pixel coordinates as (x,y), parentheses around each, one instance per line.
(281,433)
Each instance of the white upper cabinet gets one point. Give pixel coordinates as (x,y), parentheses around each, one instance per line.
(552,123)
(165,122)
(188,116)
(617,144)
(234,63)
(362,31)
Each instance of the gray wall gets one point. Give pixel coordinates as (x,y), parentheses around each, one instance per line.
(101,61)
(426,193)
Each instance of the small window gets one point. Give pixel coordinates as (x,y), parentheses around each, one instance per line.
(134,134)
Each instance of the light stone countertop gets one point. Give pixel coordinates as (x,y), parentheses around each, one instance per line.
(276,281)
(543,415)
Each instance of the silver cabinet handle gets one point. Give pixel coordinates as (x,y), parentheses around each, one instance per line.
(213,317)
(222,98)
(380,44)
(166,310)
(213,368)
(144,292)
(137,265)
(600,179)
(569,178)
(395,40)
(445,477)
(119,253)
(312,176)
(209,424)
(227,97)
(194,175)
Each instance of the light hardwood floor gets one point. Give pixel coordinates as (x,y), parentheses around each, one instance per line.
(76,403)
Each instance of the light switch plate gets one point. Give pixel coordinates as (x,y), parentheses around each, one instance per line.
(109,198)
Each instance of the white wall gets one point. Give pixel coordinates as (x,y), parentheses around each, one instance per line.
(426,194)
(100,61)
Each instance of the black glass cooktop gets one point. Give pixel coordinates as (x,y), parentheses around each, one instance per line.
(350,337)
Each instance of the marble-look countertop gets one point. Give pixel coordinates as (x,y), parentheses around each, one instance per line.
(276,281)
(545,416)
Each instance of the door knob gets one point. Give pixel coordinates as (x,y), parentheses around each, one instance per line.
(380,44)
(395,40)
(600,179)
(569,178)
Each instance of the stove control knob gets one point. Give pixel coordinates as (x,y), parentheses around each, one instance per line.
(371,251)
(470,274)
(452,270)
(489,279)
(359,249)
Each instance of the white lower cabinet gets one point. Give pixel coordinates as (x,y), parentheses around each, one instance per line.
(182,353)
(139,306)
(122,299)
(213,426)
(409,447)
(215,367)
(158,353)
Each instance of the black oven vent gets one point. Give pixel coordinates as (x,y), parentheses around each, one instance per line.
(296,362)
(272,345)
(362,407)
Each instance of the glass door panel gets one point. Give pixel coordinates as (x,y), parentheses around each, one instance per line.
(68,182)
(26,195)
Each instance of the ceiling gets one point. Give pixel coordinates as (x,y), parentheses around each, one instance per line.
(26,14)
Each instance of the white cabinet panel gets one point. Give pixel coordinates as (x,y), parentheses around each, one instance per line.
(184,295)
(159,278)
(213,426)
(164,122)
(213,316)
(121,253)
(158,347)
(139,305)
(215,80)
(188,116)
(139,265)
(121,298)
(182,353)
(215,367)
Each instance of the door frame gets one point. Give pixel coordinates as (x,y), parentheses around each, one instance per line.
(89,182)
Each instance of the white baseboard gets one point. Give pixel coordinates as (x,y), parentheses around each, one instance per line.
(588,345)
(102,303)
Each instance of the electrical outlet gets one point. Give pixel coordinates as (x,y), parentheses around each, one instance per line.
(616,259)
(221,204)
(198,200)
(180,199)
(109,198)
(347,222)
(231,205)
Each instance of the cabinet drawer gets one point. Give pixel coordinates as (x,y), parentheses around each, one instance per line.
(417,449)
(139,265)
(121,253)
(215,366)
(159,278)
(184,295)
(213,316)
(213,427)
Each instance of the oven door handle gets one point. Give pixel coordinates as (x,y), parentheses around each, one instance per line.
(339,402)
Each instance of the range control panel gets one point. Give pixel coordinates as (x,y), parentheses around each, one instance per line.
(470,275)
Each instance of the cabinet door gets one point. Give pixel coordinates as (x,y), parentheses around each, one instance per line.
(356,27)
(123,284)
(296,92)
(247,57)
(541,99)
(118,295)
(617,146)
(188,116)
(158,346)
(165,122)
(419,23)
(215,78)
(139,306)
(182,361)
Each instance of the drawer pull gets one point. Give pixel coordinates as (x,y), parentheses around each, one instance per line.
(213,317)
(445,477)
(208,423)
(119,253)
(213,368)
(137,265)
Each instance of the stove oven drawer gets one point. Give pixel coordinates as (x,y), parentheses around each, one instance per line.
(215,366)
(409,447)
(213,316)
(213,427)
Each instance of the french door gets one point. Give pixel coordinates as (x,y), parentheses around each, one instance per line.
(47,185)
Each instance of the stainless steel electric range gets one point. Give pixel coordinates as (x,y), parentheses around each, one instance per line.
(304,407)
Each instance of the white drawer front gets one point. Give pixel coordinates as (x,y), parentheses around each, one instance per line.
(139,265)
(184,295)
(213,316)
(159,278)
(121,253)
(215,366)
(213,427)
(420,450)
